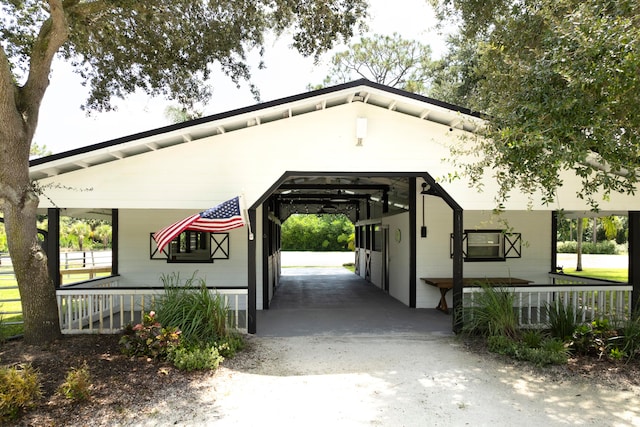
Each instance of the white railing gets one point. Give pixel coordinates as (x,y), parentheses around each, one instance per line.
(590,301)
(107,310)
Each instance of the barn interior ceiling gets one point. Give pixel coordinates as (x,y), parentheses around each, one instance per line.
(356,196)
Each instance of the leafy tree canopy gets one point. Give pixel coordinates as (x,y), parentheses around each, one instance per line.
(165,48)
(389,60)
(560,82)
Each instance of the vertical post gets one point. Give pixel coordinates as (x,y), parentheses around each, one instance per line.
(457,269)
(554,242)
(634,259)
(266,252)
(413,262)
(251,291)
(115,241)
(53,245)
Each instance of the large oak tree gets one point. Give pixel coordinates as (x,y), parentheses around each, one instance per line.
(164,48)
(560,82)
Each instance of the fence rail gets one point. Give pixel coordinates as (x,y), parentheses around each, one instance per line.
(589,301)
(106,308)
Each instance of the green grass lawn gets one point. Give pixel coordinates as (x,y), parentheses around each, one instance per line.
(617,274)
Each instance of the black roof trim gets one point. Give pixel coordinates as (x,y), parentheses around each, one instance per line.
(249,109)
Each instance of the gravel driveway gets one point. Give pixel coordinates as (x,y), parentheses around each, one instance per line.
(392,378)
(389,380)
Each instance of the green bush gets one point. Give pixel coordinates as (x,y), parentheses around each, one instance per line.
(532,338)
(595,338)
(77,384)
(550,351)
(149,338)
(492,313)
(19,390)
(195,357)
(608,247)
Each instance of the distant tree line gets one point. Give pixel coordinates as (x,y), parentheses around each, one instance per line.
(77,234)
(327,232)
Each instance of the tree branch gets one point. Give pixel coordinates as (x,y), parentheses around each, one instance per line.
(53,34)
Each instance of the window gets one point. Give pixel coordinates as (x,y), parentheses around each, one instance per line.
(485,245)
(489,245)
(377,238)
(192,246)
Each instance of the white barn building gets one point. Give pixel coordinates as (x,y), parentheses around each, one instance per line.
(374,153)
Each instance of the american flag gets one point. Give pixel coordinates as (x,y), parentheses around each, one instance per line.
(226,216)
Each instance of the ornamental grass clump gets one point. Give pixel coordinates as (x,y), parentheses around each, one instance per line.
(201,315)
(562,319)
(491,313)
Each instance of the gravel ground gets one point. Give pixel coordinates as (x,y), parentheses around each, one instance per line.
(391,381)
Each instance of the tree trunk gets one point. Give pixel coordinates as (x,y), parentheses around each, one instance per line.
(40,309)
(579,229)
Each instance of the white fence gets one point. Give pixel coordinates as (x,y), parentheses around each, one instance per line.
(590,299)
(105,308)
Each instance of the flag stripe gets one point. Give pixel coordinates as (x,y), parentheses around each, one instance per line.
(226,216)
(167,234)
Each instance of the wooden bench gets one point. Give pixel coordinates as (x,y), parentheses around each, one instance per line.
(446,283)
(91,271)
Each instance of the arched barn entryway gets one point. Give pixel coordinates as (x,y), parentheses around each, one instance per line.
(382,207)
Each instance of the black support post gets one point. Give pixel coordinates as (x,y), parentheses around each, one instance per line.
(413,262)
(251,297)
(457,269)
(115,242)
(53,245)
(554,242)
(634,258)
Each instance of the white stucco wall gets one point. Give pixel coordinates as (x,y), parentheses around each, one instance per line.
(433,252)
(136,269)
(398,256)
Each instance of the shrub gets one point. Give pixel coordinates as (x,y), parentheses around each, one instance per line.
(501,345)
(532,338)
(19,390)
(546,352)
(77,384)
(149,338)
(231,344)
(608,247)
(195,357)
(629,337)
(492,313)
(562,319)
(596,338)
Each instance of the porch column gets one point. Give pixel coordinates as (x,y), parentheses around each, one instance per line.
(554,242)
(634,258)
(114,242)
(53,245)
(457,269)
(413,229)
(251,291)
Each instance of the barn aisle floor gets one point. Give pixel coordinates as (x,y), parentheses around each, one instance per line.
(315,301)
